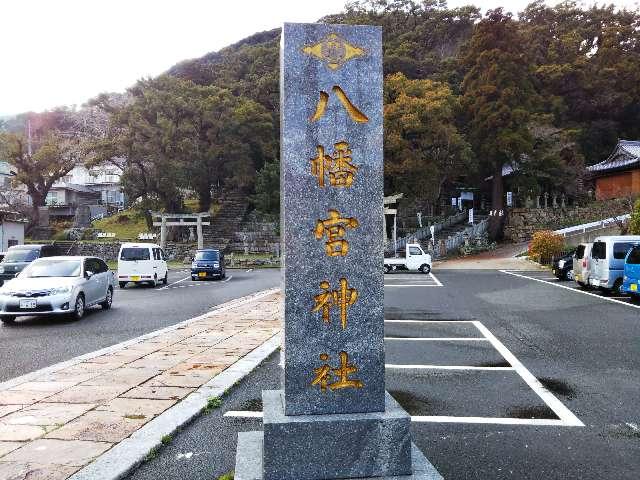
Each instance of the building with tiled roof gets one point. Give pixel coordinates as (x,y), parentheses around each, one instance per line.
(618,175)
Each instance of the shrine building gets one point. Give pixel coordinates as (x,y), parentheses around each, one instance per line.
(619,175)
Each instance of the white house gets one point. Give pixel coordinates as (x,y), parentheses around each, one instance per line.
(104,179)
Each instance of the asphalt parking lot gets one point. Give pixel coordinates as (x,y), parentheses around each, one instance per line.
(37,342)
(505,377)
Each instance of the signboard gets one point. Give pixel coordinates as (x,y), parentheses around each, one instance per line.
(509,199)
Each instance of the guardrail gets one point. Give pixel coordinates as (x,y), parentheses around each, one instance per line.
(589,227)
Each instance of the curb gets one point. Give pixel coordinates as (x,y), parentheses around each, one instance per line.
(131,452)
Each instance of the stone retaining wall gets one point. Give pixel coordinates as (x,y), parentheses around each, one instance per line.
(523,222)
(109,250)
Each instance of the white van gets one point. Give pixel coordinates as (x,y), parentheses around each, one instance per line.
(582,264)
(142,263)
(607,260)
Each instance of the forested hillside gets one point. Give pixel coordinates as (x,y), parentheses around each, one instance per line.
(545,92)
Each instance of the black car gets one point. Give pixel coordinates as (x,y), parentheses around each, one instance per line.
(208,263)
(563,267)
(19,256)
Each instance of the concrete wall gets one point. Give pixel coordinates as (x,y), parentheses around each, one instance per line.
(575,239)
(11,231)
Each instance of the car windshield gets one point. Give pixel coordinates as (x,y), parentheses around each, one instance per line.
(634,256)
(206,255)
(134,253)
(52,268)
(21,255)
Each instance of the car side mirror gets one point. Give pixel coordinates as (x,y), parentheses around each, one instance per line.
(88,274)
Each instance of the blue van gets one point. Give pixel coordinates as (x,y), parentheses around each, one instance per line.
(631,283)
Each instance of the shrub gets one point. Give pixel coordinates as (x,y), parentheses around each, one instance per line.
(634,222)
(545,244)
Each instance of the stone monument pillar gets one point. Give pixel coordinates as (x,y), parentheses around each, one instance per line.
(333,419)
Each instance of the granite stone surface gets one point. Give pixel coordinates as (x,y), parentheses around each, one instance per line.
(309,447)
(249,461)
(331,113)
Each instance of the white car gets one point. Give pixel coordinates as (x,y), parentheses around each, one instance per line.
(55,286)
(142,263)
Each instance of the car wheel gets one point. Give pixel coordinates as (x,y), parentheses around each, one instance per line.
(425,269)
(106,305)
(78,310)
(122,284)
(224,275)
(165,280)
(154,284)
(570,274)
(193,278)
(7,320)
(387,269)
(617,287)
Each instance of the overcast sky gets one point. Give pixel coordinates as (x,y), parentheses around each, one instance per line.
(63,52)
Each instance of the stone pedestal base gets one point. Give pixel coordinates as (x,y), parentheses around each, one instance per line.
(249,461)
(323,447)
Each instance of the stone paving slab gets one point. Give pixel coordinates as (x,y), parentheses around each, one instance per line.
(55,422)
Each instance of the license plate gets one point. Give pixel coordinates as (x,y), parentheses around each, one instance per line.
(28,304)
(135,278)
(202,274)
(634,287)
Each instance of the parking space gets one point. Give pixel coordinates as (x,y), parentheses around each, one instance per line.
(416,279)
(548,278)
(459,372)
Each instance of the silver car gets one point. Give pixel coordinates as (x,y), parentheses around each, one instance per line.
(56,286)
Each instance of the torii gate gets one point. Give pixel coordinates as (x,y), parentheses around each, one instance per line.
(180,220)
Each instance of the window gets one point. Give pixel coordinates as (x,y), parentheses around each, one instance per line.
(210,255)
(53,198)
(599,250)
(634,256)
(52,268)
(156,254)
(620,250)
(134,253)
(580,252)
(415,251)
(21,255)
(92,265)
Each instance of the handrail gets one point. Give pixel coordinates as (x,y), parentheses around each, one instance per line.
(588,227)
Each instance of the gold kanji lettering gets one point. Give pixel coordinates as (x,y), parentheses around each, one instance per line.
(325,374)
(335,228)
(338,167)
(354,113)
(342,298)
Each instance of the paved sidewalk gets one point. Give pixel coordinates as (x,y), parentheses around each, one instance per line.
(56,421)
(502,258)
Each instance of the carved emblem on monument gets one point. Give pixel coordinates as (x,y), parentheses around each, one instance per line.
(334,51)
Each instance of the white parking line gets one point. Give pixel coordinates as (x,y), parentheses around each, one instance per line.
(428,281)
(608,299)
(427,322)
(438,339)
(174,283)
(394,366)
(488,420)
(436,419)
(435,279)
(243,414)
(547,397)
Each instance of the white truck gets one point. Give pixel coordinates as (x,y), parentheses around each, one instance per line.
(413,258)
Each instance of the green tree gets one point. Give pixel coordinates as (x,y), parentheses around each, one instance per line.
(634,222)
(267,196)
(175,134)
(498,97)
(423,148)
(38,163)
